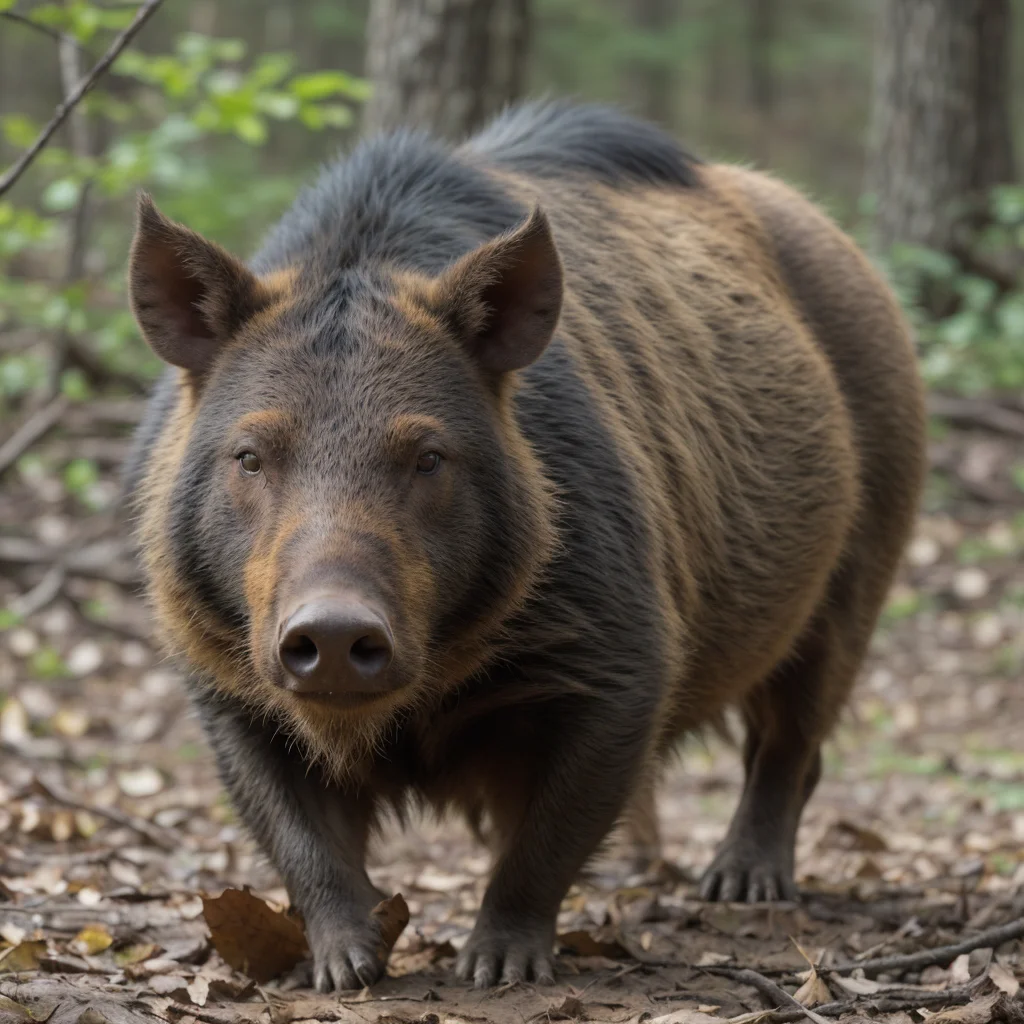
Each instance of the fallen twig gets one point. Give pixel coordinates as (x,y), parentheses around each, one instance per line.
(108,559)
(31,430)
(45,591)
(163,838)
(142,15)
(940,955)
(977,412)
(775,997)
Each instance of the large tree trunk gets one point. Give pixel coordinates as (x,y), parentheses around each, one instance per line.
(941,124)
(653,79)
(761,17)
(446,65)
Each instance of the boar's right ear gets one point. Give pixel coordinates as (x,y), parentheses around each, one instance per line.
(188,295)
(503,299)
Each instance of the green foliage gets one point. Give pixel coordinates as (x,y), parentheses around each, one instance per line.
(182,124)
(976,341)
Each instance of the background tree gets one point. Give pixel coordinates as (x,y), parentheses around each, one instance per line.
(941,127)
(446,65)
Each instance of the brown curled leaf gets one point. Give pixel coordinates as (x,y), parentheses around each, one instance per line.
(391,915)
(253,937)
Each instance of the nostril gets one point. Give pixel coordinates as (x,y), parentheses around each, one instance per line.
(370,654)
(299,655)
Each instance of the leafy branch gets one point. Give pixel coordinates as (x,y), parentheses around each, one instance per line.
(142,15)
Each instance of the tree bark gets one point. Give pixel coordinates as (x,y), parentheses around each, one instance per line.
(445,65)
(653,79)
(941,126)
(761,34)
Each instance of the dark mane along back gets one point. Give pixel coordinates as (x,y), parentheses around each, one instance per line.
(407,198)
(554,138)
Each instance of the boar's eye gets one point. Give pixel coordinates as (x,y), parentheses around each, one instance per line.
(250,463)
(428,463)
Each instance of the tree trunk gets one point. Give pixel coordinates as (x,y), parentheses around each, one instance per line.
(653,78)
(940,134)
(446,65)
(760,36)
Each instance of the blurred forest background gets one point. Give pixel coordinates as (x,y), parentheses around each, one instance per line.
(898,115)
(905,118)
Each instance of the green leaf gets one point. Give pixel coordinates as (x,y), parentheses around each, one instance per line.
(1007,204)
(1010,316)
(19,130)
(75,385)
(61,195)
(224,82)
(321,84)
(251,129)
(335,115)
(278,104)
(271,69)
(47,664)
(80,475)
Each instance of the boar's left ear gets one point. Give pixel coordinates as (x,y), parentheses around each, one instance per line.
(503,299)
(188,295)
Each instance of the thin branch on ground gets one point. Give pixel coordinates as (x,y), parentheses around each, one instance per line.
(940,955)
(162,838)
(41,421)
(143,14)
(879,1004)
(45,591)
(108,559)
(977,412)
(775,996)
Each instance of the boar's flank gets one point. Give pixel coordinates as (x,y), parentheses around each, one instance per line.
(496,471)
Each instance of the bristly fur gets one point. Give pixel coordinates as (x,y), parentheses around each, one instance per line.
(683,442)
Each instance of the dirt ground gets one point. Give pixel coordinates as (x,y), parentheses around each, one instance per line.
(113,825)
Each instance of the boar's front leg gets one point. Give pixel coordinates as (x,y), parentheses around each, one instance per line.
(314,833)
(583,783)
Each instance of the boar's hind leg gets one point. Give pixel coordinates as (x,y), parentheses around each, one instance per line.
(787,718)
(583,783)
(313,833)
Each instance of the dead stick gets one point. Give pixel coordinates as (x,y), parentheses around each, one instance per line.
(773,993)
(160,837)
(31,430)
(142,15)
(941,954)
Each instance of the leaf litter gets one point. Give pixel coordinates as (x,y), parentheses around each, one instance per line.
(124,872)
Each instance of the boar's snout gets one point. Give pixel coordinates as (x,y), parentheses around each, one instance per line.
(335,646)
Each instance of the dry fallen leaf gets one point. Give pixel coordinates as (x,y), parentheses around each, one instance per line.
(12,1011)
(25,956)
(978,1012)
(91,940)
(847,835)
(857,986)
(711,959)
(686,1016)
(582,943)
(814,991)
(139,782)
(135,954)
(198,990)
(959,970)
(1003,980)
(391,915)
(413,961)
(251,937)
(570,1008)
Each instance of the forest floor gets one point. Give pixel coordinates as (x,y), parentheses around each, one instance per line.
(113,826)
